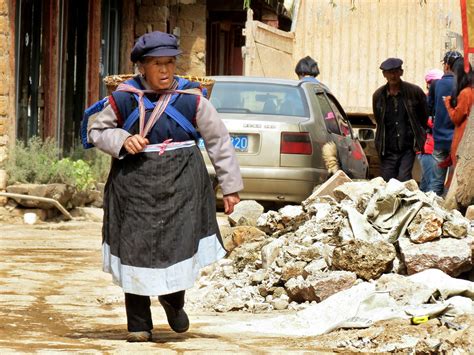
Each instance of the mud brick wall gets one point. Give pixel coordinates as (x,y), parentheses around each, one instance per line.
(6,80)
(189,17)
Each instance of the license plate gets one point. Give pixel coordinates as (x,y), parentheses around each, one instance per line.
(240,143)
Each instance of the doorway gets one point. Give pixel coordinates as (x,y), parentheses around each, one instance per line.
(28,68)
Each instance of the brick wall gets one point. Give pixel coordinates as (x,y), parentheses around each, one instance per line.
(190,17)
(6,79)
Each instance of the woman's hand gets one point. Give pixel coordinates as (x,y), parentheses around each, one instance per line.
(230,201)
(135,144)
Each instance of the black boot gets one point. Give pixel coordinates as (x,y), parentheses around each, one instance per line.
(173,304)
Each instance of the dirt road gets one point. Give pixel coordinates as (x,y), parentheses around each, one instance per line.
(54,298)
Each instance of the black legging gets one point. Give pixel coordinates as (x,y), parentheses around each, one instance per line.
(139,313)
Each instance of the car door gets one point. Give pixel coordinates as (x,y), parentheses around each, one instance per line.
(350,153)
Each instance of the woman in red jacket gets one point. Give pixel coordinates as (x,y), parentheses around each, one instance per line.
(459,105)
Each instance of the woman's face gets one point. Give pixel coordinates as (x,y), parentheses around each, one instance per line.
(158,71)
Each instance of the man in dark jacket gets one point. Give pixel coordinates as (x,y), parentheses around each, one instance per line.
(401,113)
(443,128)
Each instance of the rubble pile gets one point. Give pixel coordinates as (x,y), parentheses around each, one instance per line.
(365,231)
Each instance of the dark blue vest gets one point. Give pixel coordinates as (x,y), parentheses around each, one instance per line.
(165,128)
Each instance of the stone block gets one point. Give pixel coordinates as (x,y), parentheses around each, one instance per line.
(3,179)
(270,252)
(450,255)
(3,128)
(470,213)
(4,105)
(4,45)
(320,286)
(4,25)
(369,260)
(250,210)
(4,10)
(186,26)
(4,66)
(456,229)
(145,14)
(192,11)
(327,188)
(244,234)
(426,226)
(292,269)
(270,222)
(3,154)
(3,201)
(293,216)
(140,28)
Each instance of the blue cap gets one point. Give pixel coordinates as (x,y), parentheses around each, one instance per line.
(391,63)
(155,44)
(450,57)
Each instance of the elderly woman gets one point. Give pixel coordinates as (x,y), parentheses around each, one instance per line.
(160,223)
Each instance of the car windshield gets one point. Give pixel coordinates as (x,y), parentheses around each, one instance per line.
(255,98)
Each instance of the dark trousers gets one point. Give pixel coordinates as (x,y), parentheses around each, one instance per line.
(397,165)
(139,312)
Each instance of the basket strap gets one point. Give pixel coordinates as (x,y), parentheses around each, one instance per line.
(161,104)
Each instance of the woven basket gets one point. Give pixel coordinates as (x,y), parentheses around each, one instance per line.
(112,81)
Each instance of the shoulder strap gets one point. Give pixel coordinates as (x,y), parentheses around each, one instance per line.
(144,103)
(174,113)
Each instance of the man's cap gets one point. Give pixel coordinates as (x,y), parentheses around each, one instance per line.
(450,57)
(391,63)
(155,44)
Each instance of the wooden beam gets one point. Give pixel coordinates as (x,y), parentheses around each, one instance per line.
(94,32)
(50,75)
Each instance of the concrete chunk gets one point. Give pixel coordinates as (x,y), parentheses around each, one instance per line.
(453,256)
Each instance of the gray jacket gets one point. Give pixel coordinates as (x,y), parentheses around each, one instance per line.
(106,136)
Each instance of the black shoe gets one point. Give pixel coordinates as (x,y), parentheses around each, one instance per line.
(177,318)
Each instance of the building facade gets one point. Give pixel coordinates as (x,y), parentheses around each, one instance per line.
(55,54)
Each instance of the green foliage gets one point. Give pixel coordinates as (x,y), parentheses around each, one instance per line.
(38,163)
(97,160)
(77,173)
(32,163)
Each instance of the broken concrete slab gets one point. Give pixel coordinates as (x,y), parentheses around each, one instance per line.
(246,213)
(244,234)
(319,286)
(456,225)
(293,216)
(270,252)
(368,260)
(453,256)
(327,188)
(426,226)
(470,213)
(359,191)
(292,269)
(270,222)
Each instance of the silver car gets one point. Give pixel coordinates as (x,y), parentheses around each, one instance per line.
(278,128)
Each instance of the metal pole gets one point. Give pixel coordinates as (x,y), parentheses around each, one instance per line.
(38,198)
